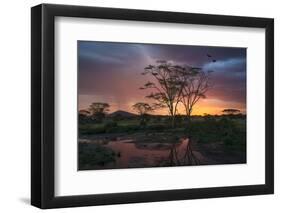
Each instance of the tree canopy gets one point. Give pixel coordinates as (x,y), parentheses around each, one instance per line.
(231,111)
(99,109)
(142,108)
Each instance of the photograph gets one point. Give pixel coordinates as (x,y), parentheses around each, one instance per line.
(140,105)
(160,105)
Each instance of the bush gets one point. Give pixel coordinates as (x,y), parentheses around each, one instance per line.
(110,124)
(223,130)
(91,129)
(156,127)
(142,122)
(92,155)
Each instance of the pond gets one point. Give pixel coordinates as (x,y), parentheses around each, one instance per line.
(131,154)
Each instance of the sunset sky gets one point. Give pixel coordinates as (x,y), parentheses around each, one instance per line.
(111,72)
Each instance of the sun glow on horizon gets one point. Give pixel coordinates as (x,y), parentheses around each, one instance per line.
(205,106)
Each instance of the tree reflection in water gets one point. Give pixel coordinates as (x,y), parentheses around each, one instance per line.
(188,157)
(127,153)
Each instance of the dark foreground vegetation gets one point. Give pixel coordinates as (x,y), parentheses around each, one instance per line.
(220,139)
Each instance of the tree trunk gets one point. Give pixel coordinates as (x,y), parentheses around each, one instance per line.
(173,117)
(173,121)
(188,118)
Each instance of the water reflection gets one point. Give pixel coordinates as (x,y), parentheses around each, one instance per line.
(183,155)
(132,154)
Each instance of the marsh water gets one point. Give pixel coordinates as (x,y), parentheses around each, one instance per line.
(132,154)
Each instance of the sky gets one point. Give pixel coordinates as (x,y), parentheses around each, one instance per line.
(111,72)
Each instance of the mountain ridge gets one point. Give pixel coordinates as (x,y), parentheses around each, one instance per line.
(122,113)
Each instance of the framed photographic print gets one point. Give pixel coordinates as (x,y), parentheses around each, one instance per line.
(140,106)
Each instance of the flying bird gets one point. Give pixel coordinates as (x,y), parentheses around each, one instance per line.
(209,56)
(214,60)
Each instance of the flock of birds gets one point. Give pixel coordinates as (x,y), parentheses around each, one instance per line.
(209,56)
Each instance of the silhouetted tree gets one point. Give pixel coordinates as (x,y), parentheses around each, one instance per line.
(196,86)
(167,86)
(142,109)
(84,116)
(98,110)
(231,111)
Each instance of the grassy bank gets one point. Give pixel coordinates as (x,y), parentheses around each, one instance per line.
(230,132)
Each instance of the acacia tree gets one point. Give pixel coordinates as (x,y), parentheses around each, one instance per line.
(195,88)
(231,111)
(142,109)
(169,81)
(98,110)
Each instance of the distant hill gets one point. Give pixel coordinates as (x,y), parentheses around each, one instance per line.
(121,113)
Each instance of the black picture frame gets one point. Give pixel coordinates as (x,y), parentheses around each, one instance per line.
(43,114)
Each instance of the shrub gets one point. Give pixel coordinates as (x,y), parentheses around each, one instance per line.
(91,155)
(110,124)
(223,130)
